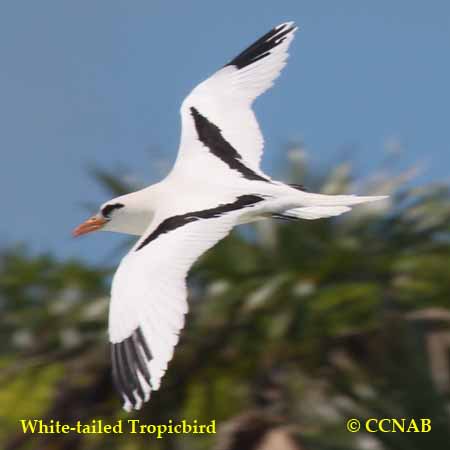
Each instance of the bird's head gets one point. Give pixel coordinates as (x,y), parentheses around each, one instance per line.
(129,214)
(126,214)
(106,215)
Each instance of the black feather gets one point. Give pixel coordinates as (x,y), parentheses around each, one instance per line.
(262,47)
(178,221)
(211,136)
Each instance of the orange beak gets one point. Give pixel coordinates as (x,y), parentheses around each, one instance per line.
(92,224)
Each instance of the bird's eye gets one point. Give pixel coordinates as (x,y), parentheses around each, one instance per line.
(108,209)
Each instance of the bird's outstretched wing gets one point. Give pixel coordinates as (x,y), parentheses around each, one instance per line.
(148,300)
(217,119)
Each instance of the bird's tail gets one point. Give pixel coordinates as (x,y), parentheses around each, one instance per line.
(316,206)
(312,212)
(310,199)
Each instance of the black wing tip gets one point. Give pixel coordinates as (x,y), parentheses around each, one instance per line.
(285,28)
(290,24)
(263,46)
(130,358)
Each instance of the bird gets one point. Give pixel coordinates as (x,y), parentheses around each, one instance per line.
(215,184)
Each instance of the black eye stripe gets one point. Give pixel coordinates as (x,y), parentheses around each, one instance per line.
(108,209)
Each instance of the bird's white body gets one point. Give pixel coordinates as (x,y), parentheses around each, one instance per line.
(215,184)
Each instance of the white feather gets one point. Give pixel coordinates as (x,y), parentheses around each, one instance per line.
(317,212)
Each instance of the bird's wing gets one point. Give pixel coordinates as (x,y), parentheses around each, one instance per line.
(148,301)
(217,119)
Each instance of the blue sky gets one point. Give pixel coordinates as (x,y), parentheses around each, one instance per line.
(100,82)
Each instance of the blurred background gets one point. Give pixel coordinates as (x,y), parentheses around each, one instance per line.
(293,327)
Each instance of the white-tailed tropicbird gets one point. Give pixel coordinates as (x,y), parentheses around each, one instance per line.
(215,184)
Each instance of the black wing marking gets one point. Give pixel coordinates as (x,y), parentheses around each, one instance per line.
(262,47)
(299,187)
(174,222)
(210,136)
(130,357)
(284,217)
